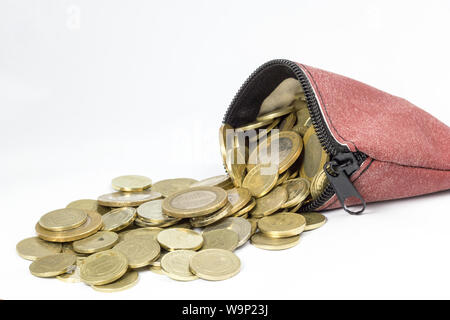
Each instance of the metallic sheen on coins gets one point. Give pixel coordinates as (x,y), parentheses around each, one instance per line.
(118,219)
(170,186)
(100,241)
(315,157)
(215,264)
(270,203)
(103,267)
(226,239)
(127,281)
(282,225)
(139,252)
(63,219)
(175,265)
(239,225)
(127,199)
(261,241)
(260,180)
(314,220)
(53,265)
(178,239)
(131,183)
(34,248)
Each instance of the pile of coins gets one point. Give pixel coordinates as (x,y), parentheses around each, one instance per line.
(188,229)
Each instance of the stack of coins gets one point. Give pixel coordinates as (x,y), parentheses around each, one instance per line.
(188,229)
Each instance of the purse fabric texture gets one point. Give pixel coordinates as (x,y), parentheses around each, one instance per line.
(408,149)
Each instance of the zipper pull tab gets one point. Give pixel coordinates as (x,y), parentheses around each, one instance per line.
(338,172)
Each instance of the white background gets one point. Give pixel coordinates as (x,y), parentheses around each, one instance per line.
(90,90)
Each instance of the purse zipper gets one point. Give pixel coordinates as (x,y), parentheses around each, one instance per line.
(343,162)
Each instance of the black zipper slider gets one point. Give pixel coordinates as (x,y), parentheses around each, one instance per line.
(338,172)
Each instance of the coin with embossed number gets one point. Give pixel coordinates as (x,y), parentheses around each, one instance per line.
(260,180)
(298,190)
(226,239)
(139,252)
(238,224)
(152,212)
(175,265)
(103,267)
(270,203)
(282,225)
(63,219)
(215,264)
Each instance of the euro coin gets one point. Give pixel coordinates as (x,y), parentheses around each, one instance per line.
(246,209)
(176,265)
(238,224)
(103,267)
(169,186)
(262,241)
(260,180)
(194,202)
(180,239)
(216,181)
(149,233)
(298,190)
(127,199)
(318,184)
(211,218)
(131,183)
(118,219)
(238,198)
(314,220)
(283,95)
(63,219)
(282,225)
(270,203)
(128,280)
(53,265)
(314,158)
(275,113)
(88,205)
(92,225)
(226,239)
(139,252)
(215,264)
(100,241)
(152,212)
(34,248)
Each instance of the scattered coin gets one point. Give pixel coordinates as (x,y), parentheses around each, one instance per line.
(149,233)
(118,219)
(226,239)
(238,224)
(127,199)
(139,252)
(282,225)
(314,220)
(238,198)
(260,180)
(63,219)
(53,265)
(34,248)
(246,209)
(261,241)
(73,275)
(298,190)
(88,205)
(103,267)
(211,218)
(217,181)
(215,264)
(176,265)
(179,239)
(152,212)
(131,183)
(235,166)
(270,203)
(170,186)
(128,280)
(100,241)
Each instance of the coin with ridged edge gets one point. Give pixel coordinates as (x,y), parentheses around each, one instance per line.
(92,225)
(139,252)
(53,265)
(179,239)
(298,190)
(118,219)
(226,239)
(175,265)
(34,248)
(314,220)
(282,225)
(128,280)
(318,184)
(215,264)
(170,186)
(127,199)
(195,202)
(152,212)
(212,218)
(238,198)
(63,219)
(270,203)
(260,180)
(238,224)
(131,183)
(103,267)
(262,241)
(100,241)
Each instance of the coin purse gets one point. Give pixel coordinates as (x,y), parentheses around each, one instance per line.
(381,147)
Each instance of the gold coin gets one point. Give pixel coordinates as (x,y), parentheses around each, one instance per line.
(103,267)
(235,166)
(318,184)
(179,239)
(63,219)
(238,224)
(67,247)
(128,280)
(34,248)
(139,252)
(157,270)
(225,132)
(176,265)
(152,212)
(314,158)
(282,225)
(216,181)
(131,183)
(170,186)
(288,122)
(157,263)
(92,225)
(226,239)
(146,224)
(100,241)
(275,113)
(128,199)
(270,203)
(118,219)
(263,133)
(88,205)
(284,176)
(261,241)
(211,218)
(314,220)
(294,174)
(53,265)
(215,264)
(238,198)
(298,190)
(260,180)
(255,125)
(289,149)
(246,209)
(149,233)
(254,223)
(73,275)
(296,208)
(195,202)
(183,224)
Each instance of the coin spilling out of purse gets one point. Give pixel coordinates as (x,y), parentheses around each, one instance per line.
(188,229)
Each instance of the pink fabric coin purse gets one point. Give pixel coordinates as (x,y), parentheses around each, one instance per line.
(381,147)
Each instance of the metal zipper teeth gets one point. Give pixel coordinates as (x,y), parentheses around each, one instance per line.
(327,141)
